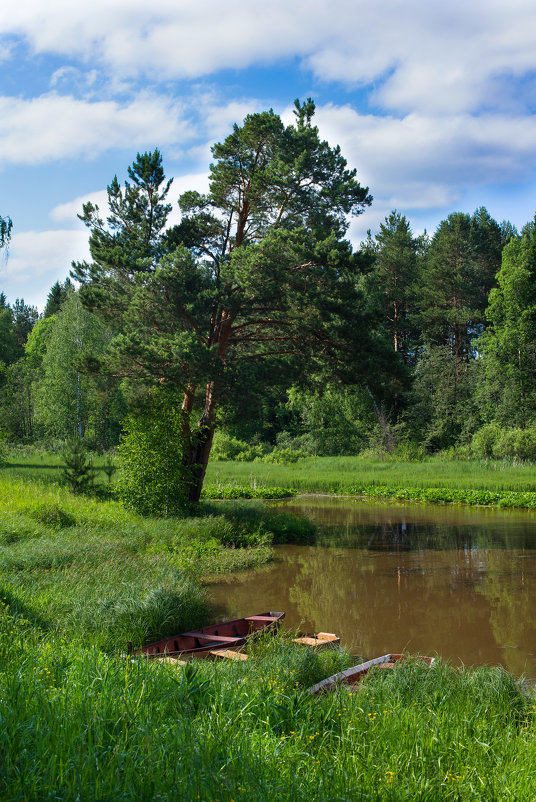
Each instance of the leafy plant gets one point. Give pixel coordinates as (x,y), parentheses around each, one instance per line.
(152,477)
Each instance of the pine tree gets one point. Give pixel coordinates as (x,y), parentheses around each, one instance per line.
(78,471)
(457,277)
(393,277)
(258,272)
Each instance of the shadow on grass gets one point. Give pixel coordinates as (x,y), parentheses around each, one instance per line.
(19,609)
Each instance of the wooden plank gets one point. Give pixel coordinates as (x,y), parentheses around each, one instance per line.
(328,636)
(318,643)
(173,660)
(227,654)
(203,636)
(349,676)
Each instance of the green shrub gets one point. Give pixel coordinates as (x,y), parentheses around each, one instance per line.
(285,456)
(226,447)
(152,476)
(516,443)
(240,491)
(495,441)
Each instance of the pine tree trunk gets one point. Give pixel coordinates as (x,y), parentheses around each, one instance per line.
(197,460)
(198,442)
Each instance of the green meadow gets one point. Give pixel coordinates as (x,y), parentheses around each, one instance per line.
(79,577)
(334,474)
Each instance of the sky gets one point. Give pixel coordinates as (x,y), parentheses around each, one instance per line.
(432,102)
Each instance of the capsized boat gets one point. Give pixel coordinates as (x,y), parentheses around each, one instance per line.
(352,676)
(200,642)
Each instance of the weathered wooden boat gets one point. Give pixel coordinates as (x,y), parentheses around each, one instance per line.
(201,642)
(354,675)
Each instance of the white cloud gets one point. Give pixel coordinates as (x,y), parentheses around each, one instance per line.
(67,212)
(423,162)
(54,126)
(439,57)
(37,259)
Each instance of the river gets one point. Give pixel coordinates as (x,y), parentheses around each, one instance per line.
(459,582)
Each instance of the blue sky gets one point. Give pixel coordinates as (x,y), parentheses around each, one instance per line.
(432,102)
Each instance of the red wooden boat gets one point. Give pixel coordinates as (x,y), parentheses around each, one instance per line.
(352,676)
(200,642)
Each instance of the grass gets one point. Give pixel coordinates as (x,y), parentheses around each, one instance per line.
(490,482)
(434,481)
(333,474)
(102,572)
(80,577)
(79,724)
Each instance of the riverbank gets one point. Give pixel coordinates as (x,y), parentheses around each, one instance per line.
(482,482)
(503,483)
(80,577)
(80,724)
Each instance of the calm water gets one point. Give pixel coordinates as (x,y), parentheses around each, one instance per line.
(453,581)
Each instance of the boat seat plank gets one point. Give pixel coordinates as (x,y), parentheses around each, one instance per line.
(318,643)
(261,618)
(227,654)
(203,636)
(168,659)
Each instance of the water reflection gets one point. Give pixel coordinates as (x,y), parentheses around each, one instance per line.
(458,582)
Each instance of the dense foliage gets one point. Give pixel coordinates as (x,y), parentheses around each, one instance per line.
(273,332)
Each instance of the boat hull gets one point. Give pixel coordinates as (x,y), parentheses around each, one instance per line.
(201,642)
(354,675)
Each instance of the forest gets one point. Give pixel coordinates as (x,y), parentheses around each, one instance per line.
(407,346)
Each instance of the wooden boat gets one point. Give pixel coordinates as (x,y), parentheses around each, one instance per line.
(201,642)
(352,676)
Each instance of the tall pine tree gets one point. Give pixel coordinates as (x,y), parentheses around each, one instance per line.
(257,271)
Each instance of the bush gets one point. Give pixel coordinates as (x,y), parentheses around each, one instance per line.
(225,447)
(285,456)
(152,477)
(493,440)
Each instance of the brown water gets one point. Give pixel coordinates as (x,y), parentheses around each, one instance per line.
(455,581)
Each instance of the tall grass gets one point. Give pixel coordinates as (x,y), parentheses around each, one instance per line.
(78,721)
(334,474)
(78,724)
(320,474)
(112,576)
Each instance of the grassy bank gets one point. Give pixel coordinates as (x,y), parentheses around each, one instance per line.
(477,482)
(79,724)
(81,577)
(502,483)
(94,568)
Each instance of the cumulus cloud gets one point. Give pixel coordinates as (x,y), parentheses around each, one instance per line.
(55,126)
(425,162)
(37,259)
(417,55)
(68,212)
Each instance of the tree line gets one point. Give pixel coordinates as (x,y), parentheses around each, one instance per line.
(254,317)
